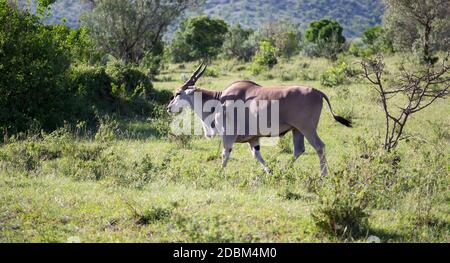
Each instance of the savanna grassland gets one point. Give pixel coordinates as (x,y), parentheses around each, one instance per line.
(127,184)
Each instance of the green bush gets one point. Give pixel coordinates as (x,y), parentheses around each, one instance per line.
(211,72)
(265,57)
(341,217)
(337,75)
(45,80)
(26,155)
(132,79)
(116,89)
(371,178)
(324,30)
(34,67)
(94,95)
(344,201)
(91,79)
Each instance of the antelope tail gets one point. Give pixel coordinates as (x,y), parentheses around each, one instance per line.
(339,119)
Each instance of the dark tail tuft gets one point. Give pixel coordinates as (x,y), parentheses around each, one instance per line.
(339,119)
(343,121)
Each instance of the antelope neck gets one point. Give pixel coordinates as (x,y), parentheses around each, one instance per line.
(209,94)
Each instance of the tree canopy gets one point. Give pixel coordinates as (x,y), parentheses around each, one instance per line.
(324,30)
(325,38)
(199,37)
(237,43)
(130,29)
(422,26)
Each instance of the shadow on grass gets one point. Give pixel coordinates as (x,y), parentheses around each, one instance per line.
(435,224)
(386,236)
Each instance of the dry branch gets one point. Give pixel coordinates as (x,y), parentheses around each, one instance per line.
(420,88)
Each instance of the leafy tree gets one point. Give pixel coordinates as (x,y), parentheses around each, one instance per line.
(374,38)
(198,37)
(324,30)
(420,25)
(326,37)
(129,29)
(77,42)
(237,43)
(33,73)
(371,35)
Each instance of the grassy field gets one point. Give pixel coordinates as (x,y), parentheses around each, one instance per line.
(128,185)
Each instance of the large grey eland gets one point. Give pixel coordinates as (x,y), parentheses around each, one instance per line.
(299,110)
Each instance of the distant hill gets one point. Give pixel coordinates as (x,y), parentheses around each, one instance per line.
(70,10)
(354,15)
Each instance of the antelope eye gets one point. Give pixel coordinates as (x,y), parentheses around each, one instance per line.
(171,98)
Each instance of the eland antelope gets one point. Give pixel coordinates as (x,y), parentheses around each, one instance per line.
(298,109)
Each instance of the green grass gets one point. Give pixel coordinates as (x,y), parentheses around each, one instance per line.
(140,187)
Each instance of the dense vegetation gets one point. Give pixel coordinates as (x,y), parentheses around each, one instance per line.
(87,154)
(53,74)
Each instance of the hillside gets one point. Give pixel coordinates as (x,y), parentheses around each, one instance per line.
(354,15)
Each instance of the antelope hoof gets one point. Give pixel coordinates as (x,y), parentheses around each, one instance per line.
(267,170)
